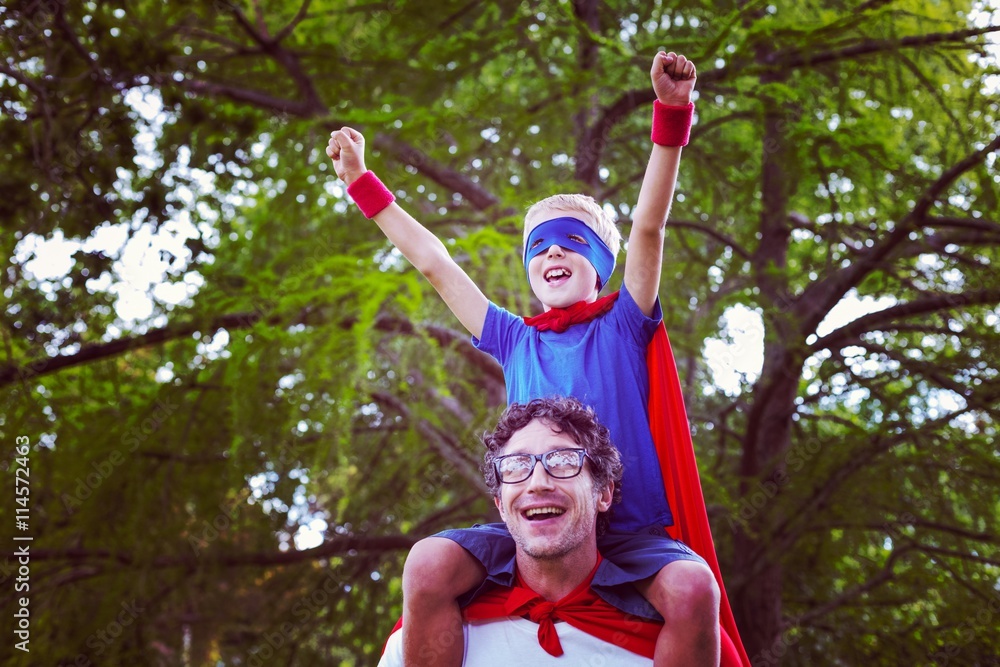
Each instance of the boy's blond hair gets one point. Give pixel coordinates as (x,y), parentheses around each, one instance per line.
(592,214)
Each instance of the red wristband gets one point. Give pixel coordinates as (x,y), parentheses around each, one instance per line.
(369,194)
(671,124)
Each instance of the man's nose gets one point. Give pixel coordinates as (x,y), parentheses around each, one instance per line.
(539,478)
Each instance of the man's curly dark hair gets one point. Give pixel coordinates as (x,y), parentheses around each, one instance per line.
(564,415)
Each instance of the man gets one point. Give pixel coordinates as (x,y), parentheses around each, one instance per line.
(559,602)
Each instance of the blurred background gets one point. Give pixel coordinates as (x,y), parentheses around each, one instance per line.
(243,406)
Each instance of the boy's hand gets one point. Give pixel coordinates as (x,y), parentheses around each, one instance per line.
(673,78)
(347,150)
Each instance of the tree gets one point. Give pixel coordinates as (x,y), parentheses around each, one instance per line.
(291,368)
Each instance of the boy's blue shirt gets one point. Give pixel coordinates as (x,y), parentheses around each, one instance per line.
(603,364)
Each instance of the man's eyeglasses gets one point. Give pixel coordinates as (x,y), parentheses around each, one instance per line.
(558,463)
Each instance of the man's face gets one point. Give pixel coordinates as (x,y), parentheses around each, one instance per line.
(572,524)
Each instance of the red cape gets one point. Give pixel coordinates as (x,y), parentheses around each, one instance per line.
(675,450)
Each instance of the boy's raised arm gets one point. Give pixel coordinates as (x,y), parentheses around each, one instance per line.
(673,78)
(424,250)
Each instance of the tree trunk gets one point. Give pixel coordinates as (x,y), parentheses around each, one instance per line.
(758,607)
(757,604)
(588,148)
(768,436)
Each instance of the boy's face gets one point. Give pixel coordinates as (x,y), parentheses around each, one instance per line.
(560,277)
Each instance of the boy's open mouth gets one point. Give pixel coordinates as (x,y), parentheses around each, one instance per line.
(556,274)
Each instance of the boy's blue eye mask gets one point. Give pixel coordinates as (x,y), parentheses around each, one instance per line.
(559,231)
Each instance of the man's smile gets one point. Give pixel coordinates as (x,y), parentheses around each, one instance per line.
(534,514)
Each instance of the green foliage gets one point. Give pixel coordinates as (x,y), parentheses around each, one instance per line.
(308,373)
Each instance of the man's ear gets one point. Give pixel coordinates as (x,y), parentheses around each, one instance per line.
(496,501)
(605,497)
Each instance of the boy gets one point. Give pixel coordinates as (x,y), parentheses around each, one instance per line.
(569,254)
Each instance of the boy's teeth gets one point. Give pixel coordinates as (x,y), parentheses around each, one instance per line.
(556,273)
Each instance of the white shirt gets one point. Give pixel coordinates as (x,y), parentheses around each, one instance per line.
(513,642)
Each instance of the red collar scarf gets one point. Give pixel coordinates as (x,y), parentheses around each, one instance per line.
(581,608)
(560,319)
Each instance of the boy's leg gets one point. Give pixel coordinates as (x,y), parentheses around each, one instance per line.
(436,572)
(687,596)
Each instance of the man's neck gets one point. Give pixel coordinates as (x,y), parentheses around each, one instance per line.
(555,578)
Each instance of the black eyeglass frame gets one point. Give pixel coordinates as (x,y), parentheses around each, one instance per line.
(540,458)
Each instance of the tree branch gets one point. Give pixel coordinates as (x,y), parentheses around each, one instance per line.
(977,224)
(725,239)
(988,538)
(428,523)
(592,146)
(30,84)
(336,546)
(870,5)
(254,98)
(598,134)
(794,59)
(297,19)
(437,172)
(817,300)
(948,553)
(74,42)
(272,47)
(448,178)
(937,188)
(885,575)
(170,456)
(236,321)
(97,351)
(786,533)
(954,530)
(483,363)
(257,34)
(313,106)
(445,446)
(887,319)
